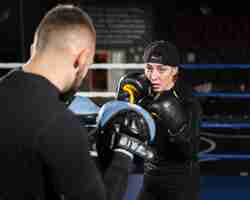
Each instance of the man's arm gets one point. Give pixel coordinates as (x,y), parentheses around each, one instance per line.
(116,176)
(63,146)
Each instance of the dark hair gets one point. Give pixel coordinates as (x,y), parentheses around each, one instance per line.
(60,18)
(162,52)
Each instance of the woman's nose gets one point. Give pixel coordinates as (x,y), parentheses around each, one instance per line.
(154,74)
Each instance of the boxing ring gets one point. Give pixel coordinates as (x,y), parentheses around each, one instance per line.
(213,186)
(219,185)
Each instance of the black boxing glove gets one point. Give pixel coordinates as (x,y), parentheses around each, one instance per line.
(133,87)
(170,113)
(126,128)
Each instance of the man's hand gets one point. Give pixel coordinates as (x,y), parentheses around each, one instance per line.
(125,127)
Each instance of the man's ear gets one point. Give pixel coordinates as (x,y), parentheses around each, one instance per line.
(32,50)
(80,59)
(84,57)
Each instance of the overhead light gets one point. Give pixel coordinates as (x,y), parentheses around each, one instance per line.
(205,9)
(4,15)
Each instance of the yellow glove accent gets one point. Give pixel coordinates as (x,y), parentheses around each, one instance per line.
(131,90)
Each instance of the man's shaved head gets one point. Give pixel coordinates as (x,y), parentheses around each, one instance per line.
(63,27)
(64,47)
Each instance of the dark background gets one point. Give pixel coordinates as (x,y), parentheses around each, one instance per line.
(205,32)
(216,32)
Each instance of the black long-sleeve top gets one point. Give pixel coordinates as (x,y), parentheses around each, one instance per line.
(44,149)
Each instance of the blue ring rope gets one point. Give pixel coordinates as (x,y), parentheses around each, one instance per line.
(222,94)
(233,125)
(207,156)
(215,66)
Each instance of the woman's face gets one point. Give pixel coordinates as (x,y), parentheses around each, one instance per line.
(162,77)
